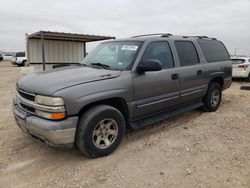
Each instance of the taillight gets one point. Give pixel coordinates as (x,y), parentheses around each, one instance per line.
(243,66)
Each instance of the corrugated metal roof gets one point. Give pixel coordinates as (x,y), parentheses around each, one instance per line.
(49,35)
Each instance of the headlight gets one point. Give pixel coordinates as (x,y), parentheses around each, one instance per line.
(50,101)
(48,115)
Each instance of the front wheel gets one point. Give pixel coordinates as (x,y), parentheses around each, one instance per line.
(100,131)
(213,97)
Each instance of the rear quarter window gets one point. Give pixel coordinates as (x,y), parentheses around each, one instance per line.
(214,50)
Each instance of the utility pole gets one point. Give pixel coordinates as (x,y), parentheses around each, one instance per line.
(235,51)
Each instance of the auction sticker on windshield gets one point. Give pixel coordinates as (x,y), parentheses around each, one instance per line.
(129,47)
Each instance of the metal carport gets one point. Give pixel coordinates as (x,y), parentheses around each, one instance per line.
(50,48)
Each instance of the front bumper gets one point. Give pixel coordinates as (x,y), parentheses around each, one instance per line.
(54,133)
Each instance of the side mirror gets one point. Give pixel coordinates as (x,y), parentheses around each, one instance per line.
(149,65)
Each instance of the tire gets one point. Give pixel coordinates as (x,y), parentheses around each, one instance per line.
(248,78)
(213,97)
(23,63)
(92,138)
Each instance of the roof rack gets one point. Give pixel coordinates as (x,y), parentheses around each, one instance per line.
(153,34)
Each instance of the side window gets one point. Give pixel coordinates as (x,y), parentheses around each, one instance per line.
(187,53)
(160,51)
(213,50)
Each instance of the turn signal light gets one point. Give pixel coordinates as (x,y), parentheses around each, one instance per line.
(53,116)
(57,116)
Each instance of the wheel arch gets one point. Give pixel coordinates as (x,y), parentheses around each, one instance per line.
(116,102)
(218,79)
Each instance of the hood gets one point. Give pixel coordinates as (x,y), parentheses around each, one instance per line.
(48,82)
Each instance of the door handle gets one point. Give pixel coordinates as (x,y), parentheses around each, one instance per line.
(175,76)
(199,72)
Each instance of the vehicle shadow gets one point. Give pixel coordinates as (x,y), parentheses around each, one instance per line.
(177,121)
(131,136)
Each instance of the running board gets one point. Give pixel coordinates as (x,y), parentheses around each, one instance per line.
(143,122)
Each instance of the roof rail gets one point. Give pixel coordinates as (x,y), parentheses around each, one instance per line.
(153,34)
(200,37)
(169,34)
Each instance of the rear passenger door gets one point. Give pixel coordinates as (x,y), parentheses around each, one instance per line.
(192,77)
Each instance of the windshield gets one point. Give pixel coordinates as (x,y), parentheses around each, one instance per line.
(113,55)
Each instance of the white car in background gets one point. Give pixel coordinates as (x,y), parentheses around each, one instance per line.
(241,67)
(7,56)
(19,59)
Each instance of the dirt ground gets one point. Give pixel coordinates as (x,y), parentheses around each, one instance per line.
(195,149)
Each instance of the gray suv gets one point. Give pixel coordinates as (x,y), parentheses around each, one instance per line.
(129,83)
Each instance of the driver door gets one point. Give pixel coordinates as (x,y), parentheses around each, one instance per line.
(159,90)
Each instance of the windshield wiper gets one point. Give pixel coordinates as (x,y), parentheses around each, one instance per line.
(101,65)
(80,64)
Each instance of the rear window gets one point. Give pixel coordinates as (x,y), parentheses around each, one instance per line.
(213,50)
(20,54)
(238,61)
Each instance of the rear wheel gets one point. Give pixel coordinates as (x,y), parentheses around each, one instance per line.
(100,131)
(213,97)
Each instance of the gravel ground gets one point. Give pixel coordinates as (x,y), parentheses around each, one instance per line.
(195,149)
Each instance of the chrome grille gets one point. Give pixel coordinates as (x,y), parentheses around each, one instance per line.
(26,95)
(31,106)
(27,108)
(20,95)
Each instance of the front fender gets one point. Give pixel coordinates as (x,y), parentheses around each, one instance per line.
(77,97)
